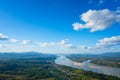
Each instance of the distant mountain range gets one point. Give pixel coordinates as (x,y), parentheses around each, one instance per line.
(116,54)
(4,56)
(108,54)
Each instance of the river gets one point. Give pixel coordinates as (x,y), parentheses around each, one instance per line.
(86,65)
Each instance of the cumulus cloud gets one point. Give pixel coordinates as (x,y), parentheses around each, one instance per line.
(96,20)
(109,42)
(69,46)
(83,47)
(13,40)
(26,41)
(3,37)
(64,44)
(44,44)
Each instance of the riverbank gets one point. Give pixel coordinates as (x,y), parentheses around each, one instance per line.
(87,66)
(78,64)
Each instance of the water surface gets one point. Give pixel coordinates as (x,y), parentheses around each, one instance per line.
(86,65)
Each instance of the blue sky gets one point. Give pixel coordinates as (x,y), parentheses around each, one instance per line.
(60,26)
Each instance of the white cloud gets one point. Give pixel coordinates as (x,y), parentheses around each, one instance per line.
(69,46)
(118,12)
(77,26)
(62,42)
(96,20)
(26,41)
(52,43)
(13,40)
(108,42)
(3,37)
(44,44)
(83,47)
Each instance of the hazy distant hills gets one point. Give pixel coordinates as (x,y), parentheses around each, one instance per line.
(108,54)
(116,54)
(36,55)
(23,55)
